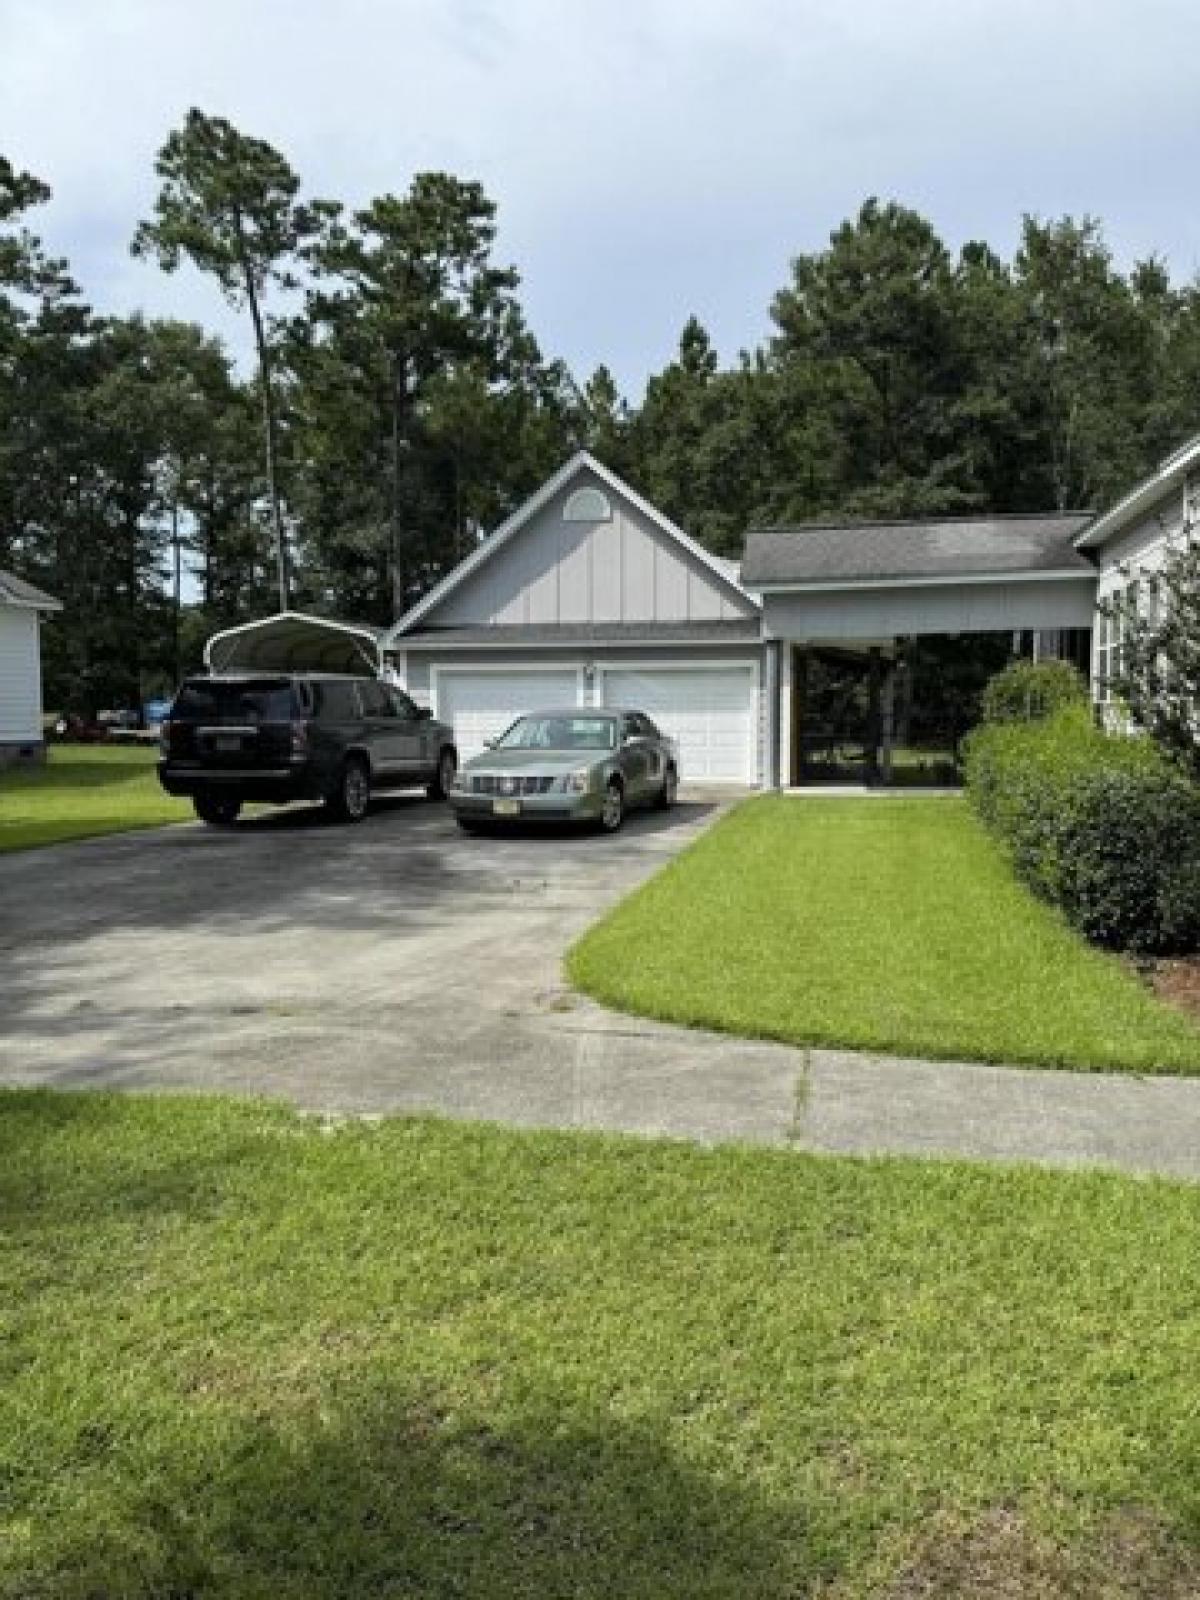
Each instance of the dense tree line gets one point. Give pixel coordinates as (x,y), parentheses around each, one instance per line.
(400,405)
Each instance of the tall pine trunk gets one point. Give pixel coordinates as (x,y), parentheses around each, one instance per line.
(396,565)
(269,430)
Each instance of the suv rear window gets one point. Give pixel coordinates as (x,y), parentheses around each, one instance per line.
(251,700)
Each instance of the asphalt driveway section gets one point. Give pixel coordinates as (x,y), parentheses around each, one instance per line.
(394,966)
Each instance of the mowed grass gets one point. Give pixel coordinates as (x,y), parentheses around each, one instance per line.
(891,925)
(83,790)
(245,1356)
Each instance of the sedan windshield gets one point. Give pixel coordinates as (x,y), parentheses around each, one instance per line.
(558,732)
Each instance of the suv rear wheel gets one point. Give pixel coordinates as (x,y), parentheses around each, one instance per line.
(351,795)
(218,810)
(443,778)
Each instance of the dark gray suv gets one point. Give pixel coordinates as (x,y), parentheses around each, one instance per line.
(277,737)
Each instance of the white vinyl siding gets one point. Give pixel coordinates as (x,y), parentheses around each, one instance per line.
(710,711)
(479,703)
(20,676)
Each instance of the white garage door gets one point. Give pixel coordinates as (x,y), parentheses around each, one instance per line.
(480,705)
(708,711)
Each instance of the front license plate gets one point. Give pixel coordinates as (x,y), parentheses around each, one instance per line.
(227,743)
(506,808)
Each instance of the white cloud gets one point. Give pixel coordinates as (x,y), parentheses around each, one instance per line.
(649,159)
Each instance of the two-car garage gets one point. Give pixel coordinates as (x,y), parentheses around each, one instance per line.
(589,596)
(710,709)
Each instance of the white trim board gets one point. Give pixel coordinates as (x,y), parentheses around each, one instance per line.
(586,647)
(962,580)
(580,461)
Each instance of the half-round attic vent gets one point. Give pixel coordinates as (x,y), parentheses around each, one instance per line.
(587,505)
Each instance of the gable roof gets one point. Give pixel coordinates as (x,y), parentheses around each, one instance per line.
(581,461)
(930,550)
(1168,475)
(15,591)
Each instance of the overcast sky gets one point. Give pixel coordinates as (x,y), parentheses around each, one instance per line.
(650,158)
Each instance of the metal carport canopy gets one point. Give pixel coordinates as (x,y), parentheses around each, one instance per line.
(294,642)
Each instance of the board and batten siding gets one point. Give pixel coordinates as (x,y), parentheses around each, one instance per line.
(20,677)
(622,569)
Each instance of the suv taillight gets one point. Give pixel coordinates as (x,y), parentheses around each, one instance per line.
(299,741)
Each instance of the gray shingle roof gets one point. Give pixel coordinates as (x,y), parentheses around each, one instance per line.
(955,547)
(15,591)
(581,633)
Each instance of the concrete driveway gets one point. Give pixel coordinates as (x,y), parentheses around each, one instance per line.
(399,966)
(393,966)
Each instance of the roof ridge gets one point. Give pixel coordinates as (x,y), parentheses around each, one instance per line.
(847,523)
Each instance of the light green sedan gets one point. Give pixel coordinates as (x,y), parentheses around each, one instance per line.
(567,766)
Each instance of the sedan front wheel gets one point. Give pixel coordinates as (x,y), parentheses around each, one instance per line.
(613,813)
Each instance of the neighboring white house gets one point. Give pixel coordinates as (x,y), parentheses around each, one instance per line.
(22,608)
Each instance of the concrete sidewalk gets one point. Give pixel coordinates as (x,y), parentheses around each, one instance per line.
(865,1105)
(593,1068)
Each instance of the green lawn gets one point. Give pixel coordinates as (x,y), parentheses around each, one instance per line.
(83,790)
(890,924)
(244,1356)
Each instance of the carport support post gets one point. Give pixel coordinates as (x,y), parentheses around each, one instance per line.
(771,688)
(874,714)
(887,719)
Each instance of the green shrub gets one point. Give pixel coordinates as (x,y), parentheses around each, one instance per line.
(1027,691)
(1100,824)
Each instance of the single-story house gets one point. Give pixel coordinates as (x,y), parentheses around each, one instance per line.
(589,595)
(22,608)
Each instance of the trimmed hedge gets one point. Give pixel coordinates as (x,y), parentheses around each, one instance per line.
(1100,824)
(1029,690)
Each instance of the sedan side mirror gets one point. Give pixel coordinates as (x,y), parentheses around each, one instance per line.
(490,744)
(423,713)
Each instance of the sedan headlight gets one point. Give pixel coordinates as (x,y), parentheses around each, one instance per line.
(579,781)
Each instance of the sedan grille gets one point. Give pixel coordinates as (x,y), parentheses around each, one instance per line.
(518,783)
